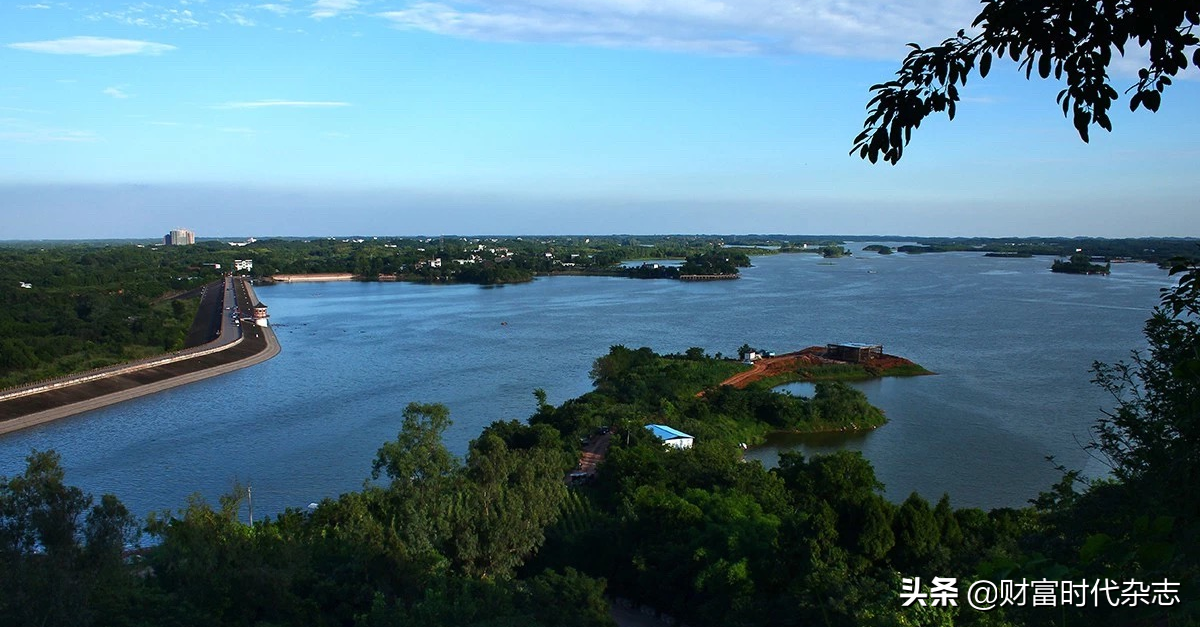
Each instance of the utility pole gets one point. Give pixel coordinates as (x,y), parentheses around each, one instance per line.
(251,500)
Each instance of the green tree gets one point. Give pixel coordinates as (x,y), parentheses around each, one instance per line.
(417,455)
(59,565)
(509,495)
(917,535)
(1151,438)
(1074,40)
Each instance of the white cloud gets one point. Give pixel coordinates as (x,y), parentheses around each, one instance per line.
(115,92)
(148,15)
(33,6)
(257,104)
(237,18)
(93,46)
(278,9)
(868,28)
(241,130)
(329,8)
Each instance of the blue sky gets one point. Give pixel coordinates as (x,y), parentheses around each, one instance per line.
(544,116)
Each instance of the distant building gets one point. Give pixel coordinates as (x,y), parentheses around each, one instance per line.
(26,285)
(179,237)
(243,265)
(856,352)
(670,436)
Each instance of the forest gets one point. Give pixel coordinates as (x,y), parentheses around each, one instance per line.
(71,308)
(696,536)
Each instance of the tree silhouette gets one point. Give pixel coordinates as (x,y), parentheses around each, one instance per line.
(1073,39)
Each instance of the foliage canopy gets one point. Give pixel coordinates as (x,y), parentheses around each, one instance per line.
(1074,40)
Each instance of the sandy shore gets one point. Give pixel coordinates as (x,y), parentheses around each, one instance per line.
(313,277)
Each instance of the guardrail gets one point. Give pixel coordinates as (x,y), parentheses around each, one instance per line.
(24,390)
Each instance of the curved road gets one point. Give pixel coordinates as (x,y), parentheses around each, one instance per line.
(257,344)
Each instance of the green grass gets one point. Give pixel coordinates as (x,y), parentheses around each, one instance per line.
(836,372)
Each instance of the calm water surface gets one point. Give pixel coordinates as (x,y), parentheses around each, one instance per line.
(1012,344)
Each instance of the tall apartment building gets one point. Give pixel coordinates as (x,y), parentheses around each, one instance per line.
(180,237)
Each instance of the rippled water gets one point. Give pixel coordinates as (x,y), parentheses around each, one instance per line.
(1012,344)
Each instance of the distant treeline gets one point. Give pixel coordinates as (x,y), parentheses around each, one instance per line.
(1157,250)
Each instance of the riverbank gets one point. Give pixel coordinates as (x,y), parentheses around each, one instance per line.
(63,399)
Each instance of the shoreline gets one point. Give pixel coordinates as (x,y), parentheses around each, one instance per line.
(254,345)
(34,419)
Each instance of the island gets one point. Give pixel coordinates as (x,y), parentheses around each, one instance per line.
(834,251)
(1079,264)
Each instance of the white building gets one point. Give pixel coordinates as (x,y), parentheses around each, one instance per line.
(670,436)
(243,265)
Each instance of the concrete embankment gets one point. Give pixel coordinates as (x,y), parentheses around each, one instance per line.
(256,345)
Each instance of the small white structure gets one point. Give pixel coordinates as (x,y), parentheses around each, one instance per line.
(260,314)
(243,265)
(671,436)
(26,285)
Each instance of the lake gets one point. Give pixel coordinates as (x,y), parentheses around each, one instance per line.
(1011,342)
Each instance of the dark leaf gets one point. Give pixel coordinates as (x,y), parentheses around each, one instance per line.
(1151,100)
(1134,100)
(1080,121)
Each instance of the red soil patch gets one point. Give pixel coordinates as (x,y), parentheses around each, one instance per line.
(811,356)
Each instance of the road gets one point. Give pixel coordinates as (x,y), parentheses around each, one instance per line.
(258,344)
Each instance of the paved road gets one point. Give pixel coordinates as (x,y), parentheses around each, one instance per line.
(258,345)
(207,322)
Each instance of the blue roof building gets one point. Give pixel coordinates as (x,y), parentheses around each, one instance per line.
(671,436)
